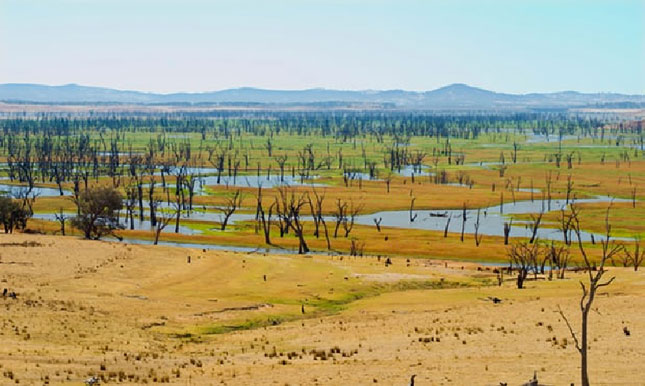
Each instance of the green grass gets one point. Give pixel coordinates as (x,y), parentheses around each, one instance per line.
(322,306)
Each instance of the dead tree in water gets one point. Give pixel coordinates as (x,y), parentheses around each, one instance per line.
(319,218)
(463,221)
(378,223)
(445,230)
(189,181)
(294,209)
(263,217)
(566,221)
(549,181)
(535,225)
(507,231)
(282,212)
(478,237)
(152,202)
(130,203)
(164,217)
(595,271)
(220,155)
(136,174)
(281,160)
(412,216)
(231,204)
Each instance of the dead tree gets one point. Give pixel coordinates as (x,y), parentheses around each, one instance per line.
(62,218)
(478,237)
(413,216)
(356,247)
(130,203)
(570,160)
(189,181)
(523,257)
(548,182)
(514,153)
(378,223)
(569,188)
(231,204)
(565,223)
(319,214)
(388,181)
(269,147)
(507,231)
(164,217)
(294,206)
(502,170)
(636,258)
(315,214)
(179,201)
(136,174)
(319,219)
(350,217)
(282,210)
(27,198)
(463,221)
(219,154)
(152,202)
(339,214)
(559,259)
(595,271)
(445,230)
(266,223)
(535,225)
(263,217)
(281,160)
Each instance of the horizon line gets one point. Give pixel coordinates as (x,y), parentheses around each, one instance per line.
(311,89)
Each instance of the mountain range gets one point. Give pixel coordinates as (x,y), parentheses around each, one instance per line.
(455,96)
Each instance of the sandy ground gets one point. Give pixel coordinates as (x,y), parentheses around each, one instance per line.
(135,314)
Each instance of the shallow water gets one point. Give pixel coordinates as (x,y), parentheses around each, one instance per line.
(144,225)
(491,219)
(14,190)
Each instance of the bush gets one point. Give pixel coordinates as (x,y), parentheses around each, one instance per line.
(98,210)
(12,215)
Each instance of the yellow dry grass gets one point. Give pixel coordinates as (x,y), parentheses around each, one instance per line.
(142,314)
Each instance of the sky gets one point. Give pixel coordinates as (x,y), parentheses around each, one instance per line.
(515,46)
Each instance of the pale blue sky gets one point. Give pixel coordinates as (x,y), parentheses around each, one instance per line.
(197,45)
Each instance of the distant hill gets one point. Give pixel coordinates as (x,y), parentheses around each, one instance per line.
(455,96)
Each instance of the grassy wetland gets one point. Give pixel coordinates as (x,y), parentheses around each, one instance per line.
(321,247)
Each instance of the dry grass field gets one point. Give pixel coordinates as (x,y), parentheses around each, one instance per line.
(133,314)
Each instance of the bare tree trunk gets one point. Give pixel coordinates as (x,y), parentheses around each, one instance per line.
(507,231)
(463,222)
